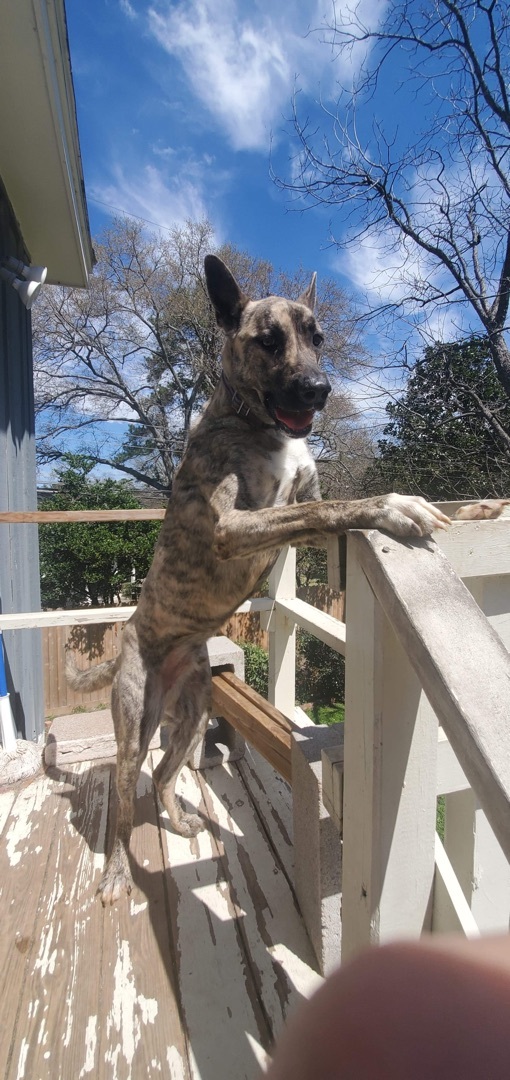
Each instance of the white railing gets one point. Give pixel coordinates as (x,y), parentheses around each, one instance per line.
(417,648)
(427,714)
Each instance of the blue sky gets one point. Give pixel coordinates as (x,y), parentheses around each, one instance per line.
(182,105)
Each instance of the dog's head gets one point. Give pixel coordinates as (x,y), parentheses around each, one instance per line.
(272,352)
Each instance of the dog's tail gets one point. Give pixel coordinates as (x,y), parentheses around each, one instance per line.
(93,678)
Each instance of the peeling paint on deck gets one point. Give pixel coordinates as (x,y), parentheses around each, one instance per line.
(190,977)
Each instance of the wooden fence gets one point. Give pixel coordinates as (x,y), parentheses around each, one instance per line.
(93,644)
(89,644)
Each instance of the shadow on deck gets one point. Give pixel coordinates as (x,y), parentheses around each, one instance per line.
(194,974)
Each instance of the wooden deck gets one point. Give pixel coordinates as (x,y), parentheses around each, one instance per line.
(193,975)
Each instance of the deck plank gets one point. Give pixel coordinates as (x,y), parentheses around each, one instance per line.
(272,799)
(60,1000)
(141,1033)
(276,944)
(233,916)
(226,1026)
(192,976)
(7,799)
(27,837)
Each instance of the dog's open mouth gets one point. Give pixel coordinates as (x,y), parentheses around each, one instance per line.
(296,424)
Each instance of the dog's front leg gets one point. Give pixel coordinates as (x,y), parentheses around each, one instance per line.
(240,533)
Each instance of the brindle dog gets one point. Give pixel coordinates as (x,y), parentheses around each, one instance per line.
(247,486)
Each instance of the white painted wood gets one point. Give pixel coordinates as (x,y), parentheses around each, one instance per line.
(450,774)
(450,910)
(390,751)
(461,662)
(482,870)
(325,627)
(477,548)
(334,563)
(301,719)
(232,914)
(72,617)
(282,635)
(257,603)
(496,604)
(90,616)
(333,784)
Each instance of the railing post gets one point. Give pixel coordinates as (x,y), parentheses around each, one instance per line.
(336,562)
(390,754)
(282,635)
(478,861)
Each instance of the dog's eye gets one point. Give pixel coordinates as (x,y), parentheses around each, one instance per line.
(317,340)
(268,341)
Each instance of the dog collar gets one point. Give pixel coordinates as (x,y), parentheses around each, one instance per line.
(239,405)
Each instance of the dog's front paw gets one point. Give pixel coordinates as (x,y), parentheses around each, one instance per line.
(409,515)
(480,511)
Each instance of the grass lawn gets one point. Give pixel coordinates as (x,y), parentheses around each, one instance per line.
(326,714)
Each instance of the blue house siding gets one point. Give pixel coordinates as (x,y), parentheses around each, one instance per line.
(19,550)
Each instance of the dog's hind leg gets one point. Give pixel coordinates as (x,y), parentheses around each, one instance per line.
(186,718)
(137,703)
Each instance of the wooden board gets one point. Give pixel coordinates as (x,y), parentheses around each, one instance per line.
(28,834)
(258,721)
(41,517)
(66,933)
(445,636)
(230,915)
(271,797)
(190,977)
(323,626)
(477,548)
(141,1033)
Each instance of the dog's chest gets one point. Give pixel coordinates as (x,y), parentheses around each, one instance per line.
(291,467)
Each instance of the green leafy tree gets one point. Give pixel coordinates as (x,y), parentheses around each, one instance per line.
(449,433)
(87,563)
(256,667)
(320,671)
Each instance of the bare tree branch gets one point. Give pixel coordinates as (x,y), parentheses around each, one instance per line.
(440,202)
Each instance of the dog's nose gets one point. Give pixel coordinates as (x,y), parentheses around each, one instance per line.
(312,390)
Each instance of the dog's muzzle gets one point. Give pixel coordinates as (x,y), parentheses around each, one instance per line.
(293,410)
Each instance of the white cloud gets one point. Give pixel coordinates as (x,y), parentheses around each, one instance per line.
(235,67)
(147,194)
(243,66)
(127,9)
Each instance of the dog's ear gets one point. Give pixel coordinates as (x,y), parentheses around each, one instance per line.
(309,297)
(224,293)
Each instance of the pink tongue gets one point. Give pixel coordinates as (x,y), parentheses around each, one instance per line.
(295,421)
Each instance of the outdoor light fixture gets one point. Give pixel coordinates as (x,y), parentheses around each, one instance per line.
(30,273)
(27,280)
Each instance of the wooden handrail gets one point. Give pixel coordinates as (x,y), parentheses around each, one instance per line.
(267,729)
(46,517)
(460,660)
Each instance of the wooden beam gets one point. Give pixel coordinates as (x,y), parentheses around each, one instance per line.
(461,662)
(477,548)
(267,729)
(47,517)
(322,625)
(24,620)
(451,912)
